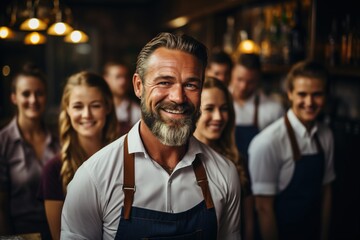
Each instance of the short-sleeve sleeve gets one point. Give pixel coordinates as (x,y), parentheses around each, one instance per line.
(263,166)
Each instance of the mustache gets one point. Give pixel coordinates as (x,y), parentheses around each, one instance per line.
(185,108)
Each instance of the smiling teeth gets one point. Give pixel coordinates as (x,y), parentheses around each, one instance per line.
(174,111)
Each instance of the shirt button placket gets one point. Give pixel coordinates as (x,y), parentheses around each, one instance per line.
(169,196)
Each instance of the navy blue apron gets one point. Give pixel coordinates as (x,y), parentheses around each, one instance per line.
(199,222)
(245,133)
(298,206)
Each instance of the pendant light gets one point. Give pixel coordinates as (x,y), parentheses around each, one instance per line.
(76,36)
(32,23)
(59,28)
(6,33)
(34,38)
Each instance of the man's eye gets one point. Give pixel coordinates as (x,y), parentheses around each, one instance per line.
(164,83)
(191,86)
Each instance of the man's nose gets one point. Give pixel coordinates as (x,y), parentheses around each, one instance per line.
(177,94)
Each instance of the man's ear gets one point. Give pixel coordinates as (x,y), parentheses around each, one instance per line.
(13,98)
(138,86)
(290,95)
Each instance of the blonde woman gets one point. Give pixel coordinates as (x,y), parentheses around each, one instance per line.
(87,123)
(216,128)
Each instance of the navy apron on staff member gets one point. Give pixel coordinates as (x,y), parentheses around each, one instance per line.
(199,222)
(245,133)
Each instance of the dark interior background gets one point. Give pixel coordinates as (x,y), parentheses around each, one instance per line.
(118,29)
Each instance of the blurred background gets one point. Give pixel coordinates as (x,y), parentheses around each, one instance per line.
(282,32)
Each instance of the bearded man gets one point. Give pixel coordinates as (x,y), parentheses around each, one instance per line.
(158,181)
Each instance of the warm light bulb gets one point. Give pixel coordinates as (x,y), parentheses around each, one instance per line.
(248,46)
(34,23)
(5,32)
(76,36)
(34,38)
(60,28)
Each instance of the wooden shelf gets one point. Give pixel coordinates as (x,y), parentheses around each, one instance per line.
(346,71)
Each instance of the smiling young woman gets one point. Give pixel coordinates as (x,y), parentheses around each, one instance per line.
(87,123)
(26,145)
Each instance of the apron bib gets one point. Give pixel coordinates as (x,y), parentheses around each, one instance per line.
(197,223)
(245,133)
(298,206)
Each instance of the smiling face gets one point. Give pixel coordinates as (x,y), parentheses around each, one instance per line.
(87,111)
(307,99)
(170,95)
(214,115)
(29,97)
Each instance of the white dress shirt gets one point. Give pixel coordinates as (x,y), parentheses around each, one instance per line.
(271,161)
(269,110)
(95,197)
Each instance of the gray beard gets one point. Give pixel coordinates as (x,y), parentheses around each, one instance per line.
(177,134)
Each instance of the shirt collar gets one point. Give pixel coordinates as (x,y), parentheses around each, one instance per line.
(136,145)
(298,127)
(15,135)
(14,131)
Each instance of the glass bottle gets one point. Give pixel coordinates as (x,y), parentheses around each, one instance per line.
(297,36)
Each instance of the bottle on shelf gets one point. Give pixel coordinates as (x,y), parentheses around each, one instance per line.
(297,37)
(346,41)
(275,38)
(332,45)
(229,41)
(285,35)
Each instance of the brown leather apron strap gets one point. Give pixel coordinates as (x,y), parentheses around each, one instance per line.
(202,181)
(293,142)
(129,180)
(318,144)
(256,104)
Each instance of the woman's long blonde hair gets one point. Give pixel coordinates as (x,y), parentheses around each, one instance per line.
(72,154)
(226,145)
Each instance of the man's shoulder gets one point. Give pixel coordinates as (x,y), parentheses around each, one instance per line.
(105,158)
(271,134)
(214,160)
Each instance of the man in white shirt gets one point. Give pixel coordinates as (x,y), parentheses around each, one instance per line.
(291,162)
(127,110)
(158,181)
(253,109)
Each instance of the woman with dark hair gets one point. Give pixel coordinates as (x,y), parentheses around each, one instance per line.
(25,146)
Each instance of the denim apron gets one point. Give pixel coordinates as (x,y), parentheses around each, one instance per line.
(245,133)
(298,206)
(199,222)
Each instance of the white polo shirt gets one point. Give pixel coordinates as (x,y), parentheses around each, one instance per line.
(271,161)
(95,197)
(269,110)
